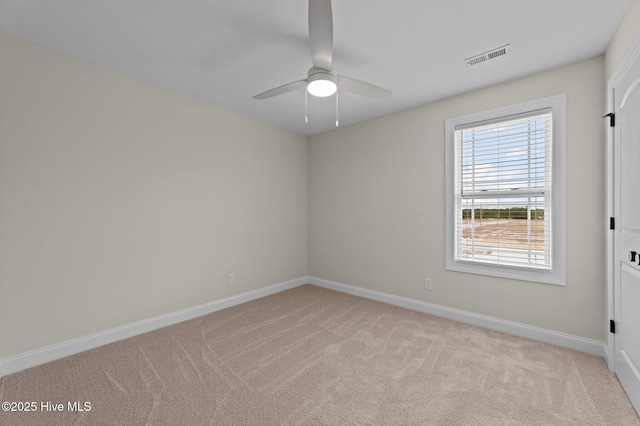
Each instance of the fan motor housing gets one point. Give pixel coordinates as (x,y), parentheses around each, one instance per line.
(319,73)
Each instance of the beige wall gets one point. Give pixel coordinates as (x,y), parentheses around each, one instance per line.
(377,213)
(627,31)
(120,201)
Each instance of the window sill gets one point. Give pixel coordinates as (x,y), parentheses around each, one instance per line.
(538,276)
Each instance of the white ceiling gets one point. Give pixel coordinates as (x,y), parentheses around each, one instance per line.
(226,51)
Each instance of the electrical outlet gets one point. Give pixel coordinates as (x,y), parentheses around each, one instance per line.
(232,278)
(428,284)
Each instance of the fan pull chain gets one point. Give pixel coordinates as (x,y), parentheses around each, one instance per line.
(337,117)
(306,118)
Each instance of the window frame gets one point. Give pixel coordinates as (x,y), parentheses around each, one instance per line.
(557,274)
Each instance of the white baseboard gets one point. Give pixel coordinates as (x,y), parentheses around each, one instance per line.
(569,341)
(25,360)
(50,353)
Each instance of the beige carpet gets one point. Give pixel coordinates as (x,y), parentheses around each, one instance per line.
(313,356)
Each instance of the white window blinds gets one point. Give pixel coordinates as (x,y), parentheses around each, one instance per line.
(503,187)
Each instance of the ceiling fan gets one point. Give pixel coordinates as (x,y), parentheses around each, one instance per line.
(321,79)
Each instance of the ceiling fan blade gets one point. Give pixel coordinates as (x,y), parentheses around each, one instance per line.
(362,88)
(282,89)
(321,33)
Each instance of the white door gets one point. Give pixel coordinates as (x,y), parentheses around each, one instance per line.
(626,240)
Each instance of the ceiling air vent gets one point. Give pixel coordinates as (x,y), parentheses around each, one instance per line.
(487,56)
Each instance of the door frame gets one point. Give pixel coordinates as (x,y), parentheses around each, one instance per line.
(631,55)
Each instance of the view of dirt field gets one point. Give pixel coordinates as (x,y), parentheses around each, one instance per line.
(503,233)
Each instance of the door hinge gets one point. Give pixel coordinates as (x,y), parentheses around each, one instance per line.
(612,223)
(612,326)
(612,119)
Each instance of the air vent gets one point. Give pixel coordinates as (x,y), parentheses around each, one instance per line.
(487,56)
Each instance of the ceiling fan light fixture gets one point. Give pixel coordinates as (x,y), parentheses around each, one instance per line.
(321,79)
(322,84)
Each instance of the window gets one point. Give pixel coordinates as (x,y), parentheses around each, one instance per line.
(505,192)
